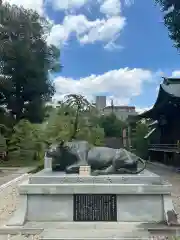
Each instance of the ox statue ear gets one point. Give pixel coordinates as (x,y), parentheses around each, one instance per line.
(61,144)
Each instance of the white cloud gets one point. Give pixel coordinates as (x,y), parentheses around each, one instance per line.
(176,73)
(142,109)
(108,7)
(58,35)
(129,2)
(111,7)
(86,31)
(67,4)
(111,46)
(121,84)
(106,29)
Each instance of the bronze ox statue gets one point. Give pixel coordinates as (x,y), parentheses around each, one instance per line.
(69,156)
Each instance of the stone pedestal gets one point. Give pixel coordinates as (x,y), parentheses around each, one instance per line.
(56,197)
(47,162)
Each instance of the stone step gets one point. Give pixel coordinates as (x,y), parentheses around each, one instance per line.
(93,234)
(33,237)
(101,225)
(89,230)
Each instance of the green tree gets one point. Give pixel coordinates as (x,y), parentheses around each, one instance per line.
(81,104)
(25,63)
(141,144)
(60,125)
(3,138)
(171,9)
(112,126)
(26,143)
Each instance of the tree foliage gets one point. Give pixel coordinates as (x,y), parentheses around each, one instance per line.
(171,9)
(140,144)
(81,105)
(26,142)
(112,126)
(25,63)
(60,125)
(167,4)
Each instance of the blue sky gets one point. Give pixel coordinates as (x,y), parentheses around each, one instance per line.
(110,47)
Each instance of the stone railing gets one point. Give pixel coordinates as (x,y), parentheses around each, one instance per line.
(9,197)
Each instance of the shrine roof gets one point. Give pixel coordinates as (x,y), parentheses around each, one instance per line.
(168,98)
(171,86)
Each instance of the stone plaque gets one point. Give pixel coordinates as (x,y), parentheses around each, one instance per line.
(95,207)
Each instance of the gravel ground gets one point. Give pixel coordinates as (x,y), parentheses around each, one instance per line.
(8,174)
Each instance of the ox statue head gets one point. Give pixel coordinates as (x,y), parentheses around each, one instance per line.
(68,153)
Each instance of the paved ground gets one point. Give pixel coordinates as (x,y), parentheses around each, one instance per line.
(173,178)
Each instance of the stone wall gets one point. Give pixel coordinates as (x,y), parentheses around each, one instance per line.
(9,197)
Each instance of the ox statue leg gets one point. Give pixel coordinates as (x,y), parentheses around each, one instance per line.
(74,168)
(108,170)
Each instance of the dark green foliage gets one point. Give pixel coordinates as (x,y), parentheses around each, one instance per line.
(171,9)
(166,4)
(25,62)
(112,126)
(26,142)
(3,144)
(4,131)
(6,120)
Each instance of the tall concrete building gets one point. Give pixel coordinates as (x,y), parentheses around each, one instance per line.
(100,102)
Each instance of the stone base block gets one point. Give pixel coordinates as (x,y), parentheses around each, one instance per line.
(50,196)
(130,208)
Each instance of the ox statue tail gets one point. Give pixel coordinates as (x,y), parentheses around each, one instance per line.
(143,162)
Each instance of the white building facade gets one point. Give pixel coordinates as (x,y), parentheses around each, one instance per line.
(121,112)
